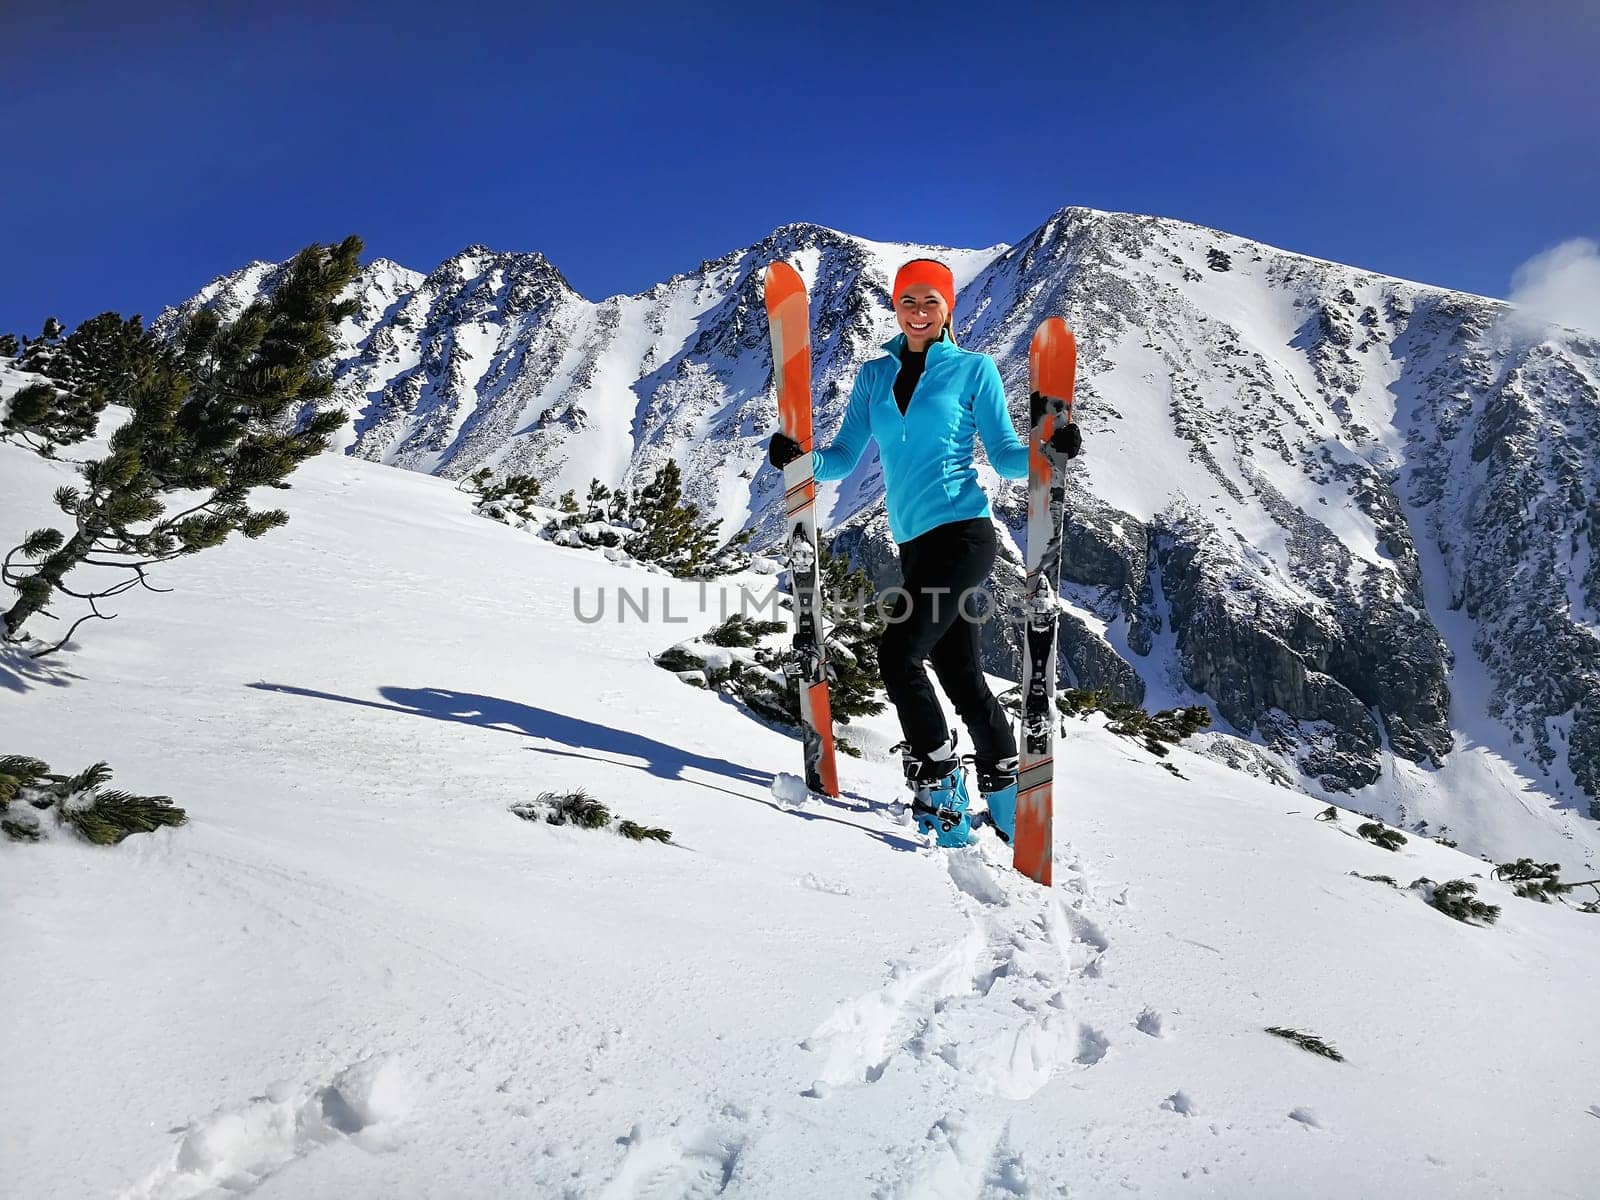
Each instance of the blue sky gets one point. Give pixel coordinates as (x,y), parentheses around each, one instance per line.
(151,148)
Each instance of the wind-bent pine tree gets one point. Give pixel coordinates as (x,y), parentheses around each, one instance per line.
(213,416)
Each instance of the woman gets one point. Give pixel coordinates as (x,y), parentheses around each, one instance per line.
(922,402)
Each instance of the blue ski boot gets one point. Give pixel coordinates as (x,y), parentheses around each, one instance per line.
(940,784)
(997,784)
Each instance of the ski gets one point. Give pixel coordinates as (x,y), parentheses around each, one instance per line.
(1052,368)
(789,318)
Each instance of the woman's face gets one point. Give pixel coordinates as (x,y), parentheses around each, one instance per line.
(922,314)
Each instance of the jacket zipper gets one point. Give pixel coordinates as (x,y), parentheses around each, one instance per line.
(910,399)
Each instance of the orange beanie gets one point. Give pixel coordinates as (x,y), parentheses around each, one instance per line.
(927,272)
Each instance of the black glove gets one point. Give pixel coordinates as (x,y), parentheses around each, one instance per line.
(782,450)
(1067,439)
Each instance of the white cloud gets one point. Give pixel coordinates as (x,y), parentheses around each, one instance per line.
(1562,284)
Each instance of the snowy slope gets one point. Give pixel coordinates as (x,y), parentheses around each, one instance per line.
(355,974)
(1349,513)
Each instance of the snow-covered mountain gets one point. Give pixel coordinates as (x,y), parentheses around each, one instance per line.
(355,974)
(1350,512)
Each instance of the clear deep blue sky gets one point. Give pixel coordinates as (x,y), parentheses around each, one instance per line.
(152,147)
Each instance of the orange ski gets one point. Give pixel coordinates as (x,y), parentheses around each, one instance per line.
(1052,371)
(789,317)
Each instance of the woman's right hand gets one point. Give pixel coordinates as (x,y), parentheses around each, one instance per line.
(782,450)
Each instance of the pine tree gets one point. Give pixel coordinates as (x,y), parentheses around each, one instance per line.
(209,420)
(596,499)
(49,334)
(733,556)
(515,494)
(98,363)
(854,629)
(8,345)
(673,534)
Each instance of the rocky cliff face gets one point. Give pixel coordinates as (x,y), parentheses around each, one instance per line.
(1309,491)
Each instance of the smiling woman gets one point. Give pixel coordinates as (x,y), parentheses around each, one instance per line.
(924,298)
(923,401)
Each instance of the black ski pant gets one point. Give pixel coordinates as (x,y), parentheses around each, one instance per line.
(930,622)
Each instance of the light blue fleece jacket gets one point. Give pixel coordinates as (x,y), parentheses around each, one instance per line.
(928,476)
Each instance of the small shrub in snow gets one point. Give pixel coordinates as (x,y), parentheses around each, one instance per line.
(678,659)
(81,802)
(1381,835)
(1328,814)
(515,494)
(757,675)
(575,808)
(1456,898)
(742,631)
(735,556)
(579,808)
(1388,879)
(1533,881)
(1158,731)
(644,833)
(1306,1041)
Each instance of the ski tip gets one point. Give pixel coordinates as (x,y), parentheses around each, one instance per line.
(1053,360)
(781,278)
(1055,333)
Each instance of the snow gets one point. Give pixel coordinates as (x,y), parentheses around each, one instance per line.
(11,382)
(789,790)
(355,973)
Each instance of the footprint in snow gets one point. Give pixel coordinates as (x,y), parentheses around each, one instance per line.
(992,1006)
(952,1160)
(862,1036)
(973,876)
(1092,1046)
(239,1148)
(1306,1117)
(817,883)
(1149,1023)
(963,1157)
(670,1166)
(1179,1102)
(1086,931)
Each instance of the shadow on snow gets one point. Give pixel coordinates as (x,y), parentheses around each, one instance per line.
(577,735)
